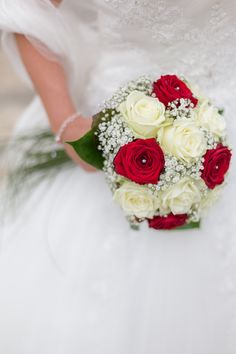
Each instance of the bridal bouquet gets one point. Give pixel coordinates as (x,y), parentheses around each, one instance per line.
(162,145)
(163,148)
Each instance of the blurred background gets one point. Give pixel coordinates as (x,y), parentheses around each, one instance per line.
(14,96)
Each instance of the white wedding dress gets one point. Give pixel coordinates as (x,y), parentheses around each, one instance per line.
(74,279)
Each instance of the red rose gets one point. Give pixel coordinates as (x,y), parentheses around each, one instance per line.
(168,222)
(169,88)
(141,161)
(216,165)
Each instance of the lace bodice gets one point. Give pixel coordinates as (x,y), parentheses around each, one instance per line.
(119,39)
(193,38)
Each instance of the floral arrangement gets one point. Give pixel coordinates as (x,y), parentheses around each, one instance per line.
(163,148)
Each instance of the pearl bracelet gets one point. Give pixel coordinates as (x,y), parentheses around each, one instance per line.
(64,125)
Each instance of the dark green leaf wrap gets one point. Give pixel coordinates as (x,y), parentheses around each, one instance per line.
(87,146)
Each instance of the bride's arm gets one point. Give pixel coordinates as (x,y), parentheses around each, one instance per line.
(50,82)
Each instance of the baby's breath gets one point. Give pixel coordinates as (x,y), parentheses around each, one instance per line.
(180,108)
(210,139)
(175,170)
(112,135)
(142,84)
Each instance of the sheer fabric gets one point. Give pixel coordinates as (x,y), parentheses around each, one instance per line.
(55,31)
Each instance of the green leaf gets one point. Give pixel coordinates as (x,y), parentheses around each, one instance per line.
(86,148)
(189,226)
(135,227)
(221,111)
(97,118)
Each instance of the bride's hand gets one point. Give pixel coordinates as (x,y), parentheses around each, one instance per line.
(73,132)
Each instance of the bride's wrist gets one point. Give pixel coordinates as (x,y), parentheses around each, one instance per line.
(72,128)
(66,127)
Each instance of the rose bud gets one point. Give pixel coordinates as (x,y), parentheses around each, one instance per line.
(170,88)
(168,222)
(216,164)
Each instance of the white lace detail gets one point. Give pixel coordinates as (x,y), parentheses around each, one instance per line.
(196,42)
(157,18)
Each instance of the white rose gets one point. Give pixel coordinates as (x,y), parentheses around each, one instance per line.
(136,200)
(207,116)
(179,198)
(183,139)
(143,114)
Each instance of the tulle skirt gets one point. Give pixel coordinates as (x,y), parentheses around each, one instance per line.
(74,278)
